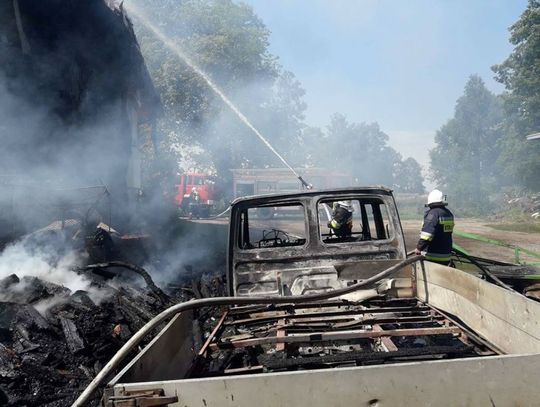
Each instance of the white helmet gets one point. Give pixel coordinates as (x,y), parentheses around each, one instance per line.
(435,197)
(346,205)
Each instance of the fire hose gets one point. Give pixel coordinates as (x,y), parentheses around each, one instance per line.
(226,301)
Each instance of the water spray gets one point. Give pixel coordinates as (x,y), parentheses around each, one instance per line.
(135,11)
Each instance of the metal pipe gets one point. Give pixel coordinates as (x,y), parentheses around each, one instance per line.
(221,301)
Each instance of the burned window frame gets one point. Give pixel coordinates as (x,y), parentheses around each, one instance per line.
(387,227)
(243,227)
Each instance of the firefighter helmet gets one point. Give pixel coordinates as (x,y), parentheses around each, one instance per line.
(436,197)
(346,205)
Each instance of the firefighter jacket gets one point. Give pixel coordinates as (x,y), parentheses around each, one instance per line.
(341,222)
(436,234)
(195,196)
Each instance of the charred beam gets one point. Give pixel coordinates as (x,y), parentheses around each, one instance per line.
(74,341)
(335,336)
(345,312)
(164,298)
(275,363)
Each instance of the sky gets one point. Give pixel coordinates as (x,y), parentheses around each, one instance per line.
(402,64)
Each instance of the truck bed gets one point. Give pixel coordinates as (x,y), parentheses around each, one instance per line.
(458,340)
(331,335)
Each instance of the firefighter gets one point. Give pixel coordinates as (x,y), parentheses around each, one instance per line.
(195,196)
(342,219)
(194,203)
(436,236)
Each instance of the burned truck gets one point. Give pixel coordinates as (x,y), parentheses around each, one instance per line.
(314,319)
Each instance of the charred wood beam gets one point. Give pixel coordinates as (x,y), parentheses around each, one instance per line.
(335,336)
(281,332)
(162,297)
(244,370)
(347,312)
(302,326)
(386,341)
(375,303)
(213,334)
(74,341)
(275,363)
(198,362)
(293,323)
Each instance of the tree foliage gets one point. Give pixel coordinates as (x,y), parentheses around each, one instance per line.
(463,161)
(362,150)
(408,176)
(520,74)
(229,43)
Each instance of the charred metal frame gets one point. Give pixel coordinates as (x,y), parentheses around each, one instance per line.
(343,334)
(272,271)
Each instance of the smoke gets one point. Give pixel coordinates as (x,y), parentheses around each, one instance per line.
(72,103)
(70,106)
(29,259)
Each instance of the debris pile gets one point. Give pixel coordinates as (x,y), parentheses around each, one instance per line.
(53,341)
(528,203)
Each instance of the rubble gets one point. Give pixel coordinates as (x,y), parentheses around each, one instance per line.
(54,341)
(526,202)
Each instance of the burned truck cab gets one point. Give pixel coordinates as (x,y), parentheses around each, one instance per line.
(282,244)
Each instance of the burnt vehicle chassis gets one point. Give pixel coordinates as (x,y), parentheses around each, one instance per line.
(427,335)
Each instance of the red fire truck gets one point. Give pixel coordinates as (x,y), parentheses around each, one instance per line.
(204,184)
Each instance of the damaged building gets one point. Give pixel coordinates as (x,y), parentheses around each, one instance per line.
(76,105)
(77,110)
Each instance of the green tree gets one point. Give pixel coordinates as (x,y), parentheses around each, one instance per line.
(463,161)
(230,43)
(520,74)
(362,150)
(408,176)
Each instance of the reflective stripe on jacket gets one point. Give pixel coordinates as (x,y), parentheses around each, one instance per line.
(341,222)
(436,234)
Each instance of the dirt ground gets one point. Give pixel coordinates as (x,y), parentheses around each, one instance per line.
(531,241)
(411,229)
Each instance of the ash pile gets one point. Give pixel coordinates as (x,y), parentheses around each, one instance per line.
(56,336)
(53,341)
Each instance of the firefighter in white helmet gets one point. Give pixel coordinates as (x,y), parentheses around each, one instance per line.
(436,235)
(342,219)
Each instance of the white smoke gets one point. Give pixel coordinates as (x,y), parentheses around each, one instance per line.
(43,262)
